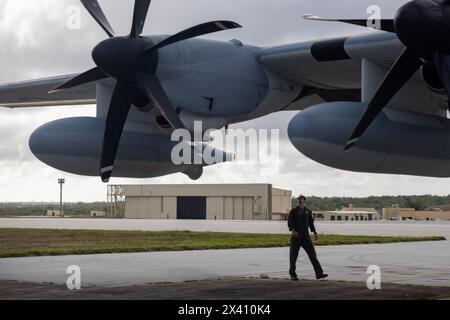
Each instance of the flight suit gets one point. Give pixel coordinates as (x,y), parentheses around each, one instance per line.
(301,220)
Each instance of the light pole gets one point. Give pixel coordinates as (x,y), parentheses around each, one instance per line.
(61,182)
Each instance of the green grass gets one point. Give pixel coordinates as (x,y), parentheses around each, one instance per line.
(48,242)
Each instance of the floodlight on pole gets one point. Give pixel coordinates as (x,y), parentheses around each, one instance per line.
(61,182)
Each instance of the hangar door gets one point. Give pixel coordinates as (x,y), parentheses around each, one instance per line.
(192,208)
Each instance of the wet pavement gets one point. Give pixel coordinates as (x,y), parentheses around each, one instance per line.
(421,263)
(235,289)
(408,270)
(382,228)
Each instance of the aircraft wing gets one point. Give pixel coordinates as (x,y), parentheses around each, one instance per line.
(35,93)
(331,63)
(331,70)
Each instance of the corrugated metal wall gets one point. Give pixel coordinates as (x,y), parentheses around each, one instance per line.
(223,202)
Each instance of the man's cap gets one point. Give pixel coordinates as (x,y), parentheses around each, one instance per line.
(301,197)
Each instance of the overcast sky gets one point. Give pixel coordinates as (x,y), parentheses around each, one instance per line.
(35,42)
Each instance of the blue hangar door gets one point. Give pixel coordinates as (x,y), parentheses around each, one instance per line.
(192,208)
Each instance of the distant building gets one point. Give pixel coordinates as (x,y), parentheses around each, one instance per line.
(199,202)
(397,213)
(53,213)
(97,214)
(349,213)
(281,204)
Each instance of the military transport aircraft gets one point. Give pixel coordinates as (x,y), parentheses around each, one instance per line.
(376,102)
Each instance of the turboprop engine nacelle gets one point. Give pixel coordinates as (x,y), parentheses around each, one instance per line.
(74,145)
(397,142)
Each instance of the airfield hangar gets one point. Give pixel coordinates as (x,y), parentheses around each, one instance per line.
(199,202)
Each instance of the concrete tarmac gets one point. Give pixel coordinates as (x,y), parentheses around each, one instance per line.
(422,263)
(381,228)
(193,274)
(235,289)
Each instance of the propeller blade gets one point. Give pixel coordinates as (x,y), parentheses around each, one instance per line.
(154,91)
(86,77)
(403,69)
(140,14)
(385,24)
(121,102)
(442,62)
(93,7)
(199,30)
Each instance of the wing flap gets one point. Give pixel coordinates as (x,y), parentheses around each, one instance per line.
(333,70)
(332,63)
(35,93)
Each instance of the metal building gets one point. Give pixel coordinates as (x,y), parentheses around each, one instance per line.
(197,202)
(349,213)
(397,213)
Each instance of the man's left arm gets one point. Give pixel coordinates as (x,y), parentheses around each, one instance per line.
(312,226)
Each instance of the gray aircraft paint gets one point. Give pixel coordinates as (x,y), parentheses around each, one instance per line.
(248,82)
(74,145)
(194,72)
(228,72)
(297,63)
(398,142)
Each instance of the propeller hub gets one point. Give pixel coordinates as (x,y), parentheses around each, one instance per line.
(123,57)
(424,26)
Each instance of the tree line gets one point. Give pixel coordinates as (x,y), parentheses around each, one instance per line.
(40,208)
(424,202)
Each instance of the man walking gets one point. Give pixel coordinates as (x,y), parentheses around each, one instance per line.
(300,220)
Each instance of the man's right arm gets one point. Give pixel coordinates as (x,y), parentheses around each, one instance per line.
(291,221)
(291,224)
